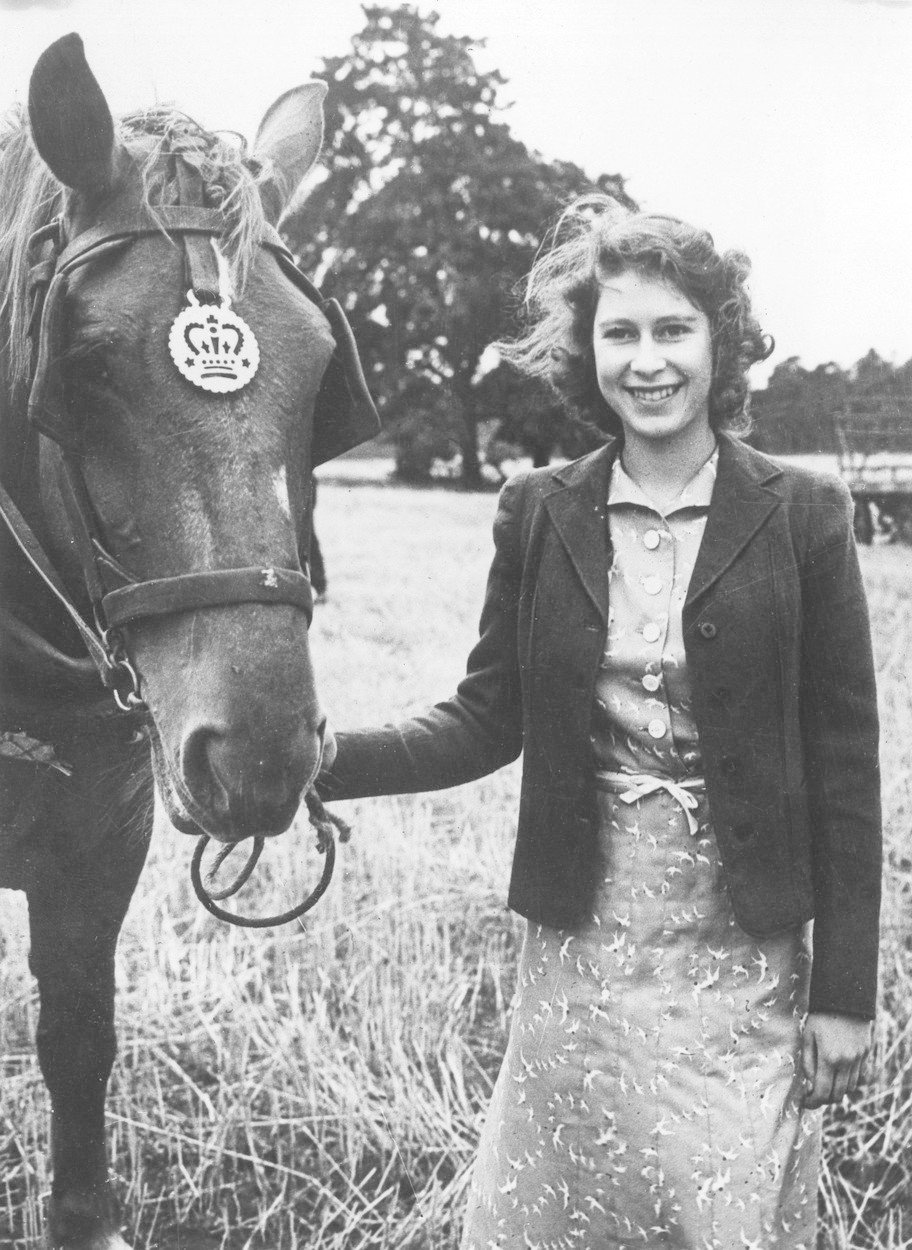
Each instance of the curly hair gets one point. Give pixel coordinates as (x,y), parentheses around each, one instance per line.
(597,238)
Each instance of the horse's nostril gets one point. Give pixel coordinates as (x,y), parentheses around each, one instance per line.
(250,785)
(201,779)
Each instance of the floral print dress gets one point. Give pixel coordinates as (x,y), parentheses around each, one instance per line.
(651,1091)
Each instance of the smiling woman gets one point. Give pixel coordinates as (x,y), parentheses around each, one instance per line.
(596,244)
(653,361)
(676,638)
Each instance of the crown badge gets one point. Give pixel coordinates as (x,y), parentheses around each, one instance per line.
(213,347)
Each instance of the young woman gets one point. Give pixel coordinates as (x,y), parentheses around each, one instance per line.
(675,636)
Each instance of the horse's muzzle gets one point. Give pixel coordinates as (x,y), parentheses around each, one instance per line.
(232,787)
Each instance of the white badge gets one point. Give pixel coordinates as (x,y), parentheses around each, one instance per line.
(213,347)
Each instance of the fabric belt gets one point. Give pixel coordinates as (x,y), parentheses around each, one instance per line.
(631,787)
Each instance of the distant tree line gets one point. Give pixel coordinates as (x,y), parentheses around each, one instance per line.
(866,408)
(428,216)
(852,413)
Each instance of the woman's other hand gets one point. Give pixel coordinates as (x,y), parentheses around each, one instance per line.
(833,1052)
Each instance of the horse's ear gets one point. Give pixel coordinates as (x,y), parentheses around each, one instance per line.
(288,142)
(71,122)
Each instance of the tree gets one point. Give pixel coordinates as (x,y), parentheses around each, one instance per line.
(530,419)
(797,412)
(864,410)
(430,213)
(873,373)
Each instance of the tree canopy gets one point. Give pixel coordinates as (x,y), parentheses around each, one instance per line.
(430,214)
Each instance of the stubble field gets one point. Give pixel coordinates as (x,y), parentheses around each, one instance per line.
(322,1085)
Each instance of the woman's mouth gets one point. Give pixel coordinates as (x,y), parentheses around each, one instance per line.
(653,394)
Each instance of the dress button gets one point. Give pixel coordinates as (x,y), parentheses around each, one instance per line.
(652,632)
(708,630)
(652,585)
(651,682)
(657,728)
(651,539)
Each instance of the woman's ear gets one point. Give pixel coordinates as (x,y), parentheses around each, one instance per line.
(70,119)
(288,143)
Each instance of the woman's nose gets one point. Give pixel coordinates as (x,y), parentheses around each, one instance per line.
(647,358)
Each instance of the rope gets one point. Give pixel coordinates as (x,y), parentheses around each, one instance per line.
(323,821)
(243,876)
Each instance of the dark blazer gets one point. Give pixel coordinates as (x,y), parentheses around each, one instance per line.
(777,642)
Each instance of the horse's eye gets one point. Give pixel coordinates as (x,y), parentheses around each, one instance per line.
(90,369)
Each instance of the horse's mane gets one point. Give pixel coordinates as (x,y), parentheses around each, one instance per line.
(30,197)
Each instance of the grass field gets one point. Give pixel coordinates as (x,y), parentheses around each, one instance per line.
(322,1085)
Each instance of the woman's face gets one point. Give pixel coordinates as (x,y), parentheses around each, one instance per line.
(653,359)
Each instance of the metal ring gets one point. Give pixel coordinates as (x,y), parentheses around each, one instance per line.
(259,922)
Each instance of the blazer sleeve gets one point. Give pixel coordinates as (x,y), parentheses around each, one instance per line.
(840,732)
(475,732)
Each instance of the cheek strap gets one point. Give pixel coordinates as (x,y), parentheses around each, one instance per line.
(133,600)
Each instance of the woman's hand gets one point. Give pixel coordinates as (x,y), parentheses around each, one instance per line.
(833,1052)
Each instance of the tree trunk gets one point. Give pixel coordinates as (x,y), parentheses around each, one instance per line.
(471,478)
(541,455)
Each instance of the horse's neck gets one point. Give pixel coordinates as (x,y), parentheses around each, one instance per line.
(13,423)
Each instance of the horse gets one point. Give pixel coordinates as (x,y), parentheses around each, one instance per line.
(168,381)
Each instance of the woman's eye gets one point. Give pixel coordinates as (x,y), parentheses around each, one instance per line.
(675,330)
(617,334)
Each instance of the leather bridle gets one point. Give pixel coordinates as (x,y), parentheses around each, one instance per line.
(116,597)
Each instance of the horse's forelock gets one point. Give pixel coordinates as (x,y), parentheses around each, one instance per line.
(30,197)
(230,182)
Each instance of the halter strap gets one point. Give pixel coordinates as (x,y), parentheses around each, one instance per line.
(141,222)
(214,588)
(34,553)
(131,600)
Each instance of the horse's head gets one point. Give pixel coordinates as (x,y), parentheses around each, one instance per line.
(172,477)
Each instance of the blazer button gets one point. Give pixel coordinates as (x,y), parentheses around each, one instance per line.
(707,630)
(744,832)
(722,695)
(730,765)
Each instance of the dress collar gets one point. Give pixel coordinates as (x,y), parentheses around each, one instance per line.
(697,493)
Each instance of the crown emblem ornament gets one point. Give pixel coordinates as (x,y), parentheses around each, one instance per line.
(212,346)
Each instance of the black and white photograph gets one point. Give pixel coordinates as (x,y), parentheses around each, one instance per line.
(455,625)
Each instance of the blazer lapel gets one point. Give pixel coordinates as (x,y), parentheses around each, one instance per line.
(579,513)
(741,504)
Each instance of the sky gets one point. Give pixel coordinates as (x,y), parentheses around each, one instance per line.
(783,126)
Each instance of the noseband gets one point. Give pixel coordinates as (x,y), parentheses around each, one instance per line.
(117,598)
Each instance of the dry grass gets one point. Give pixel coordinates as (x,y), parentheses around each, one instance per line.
(322,1085)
